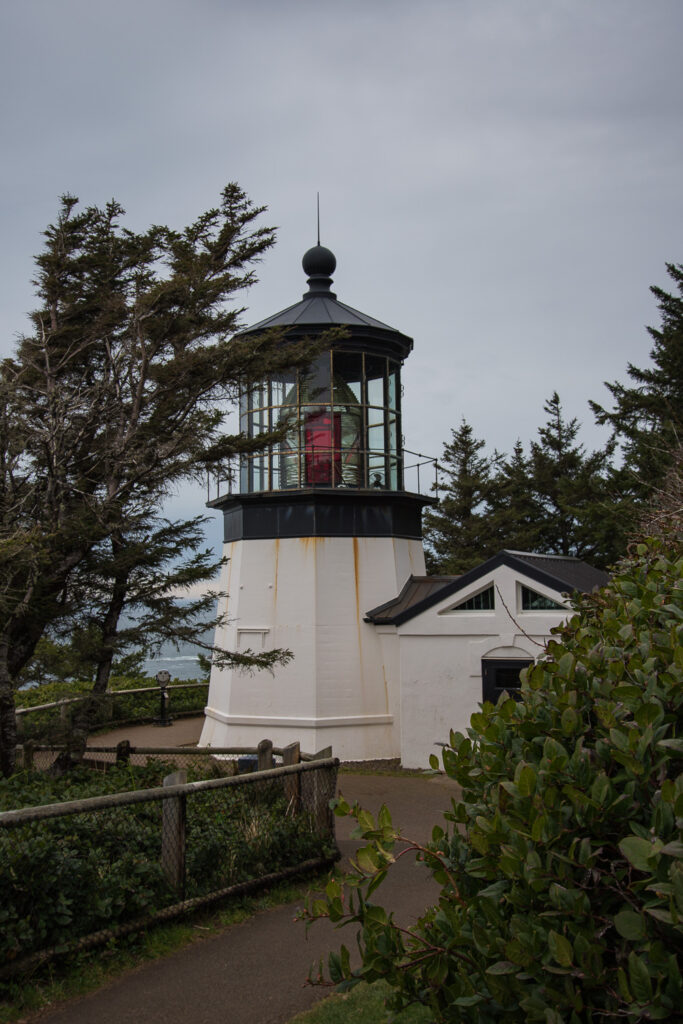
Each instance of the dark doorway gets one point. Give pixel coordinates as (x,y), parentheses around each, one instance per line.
(498,674)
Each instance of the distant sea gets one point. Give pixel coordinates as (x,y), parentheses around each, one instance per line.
(181,663)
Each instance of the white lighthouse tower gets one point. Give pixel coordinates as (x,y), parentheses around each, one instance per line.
(320,532)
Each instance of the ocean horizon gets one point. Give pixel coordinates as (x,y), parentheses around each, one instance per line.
(182,664)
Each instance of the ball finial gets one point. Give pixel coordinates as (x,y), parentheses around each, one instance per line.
(319,262)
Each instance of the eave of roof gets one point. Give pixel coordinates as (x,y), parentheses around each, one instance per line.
(415,590)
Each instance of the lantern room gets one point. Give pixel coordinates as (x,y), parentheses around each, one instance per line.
(342,417)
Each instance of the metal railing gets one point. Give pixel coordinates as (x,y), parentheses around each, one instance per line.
(151,703)
(419,477)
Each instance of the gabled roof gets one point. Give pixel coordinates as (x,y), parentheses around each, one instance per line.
(558,572)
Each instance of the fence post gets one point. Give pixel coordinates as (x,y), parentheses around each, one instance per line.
(123,752)
(173,833)
(27,760)
(321,810)
(292,755)
(265,755)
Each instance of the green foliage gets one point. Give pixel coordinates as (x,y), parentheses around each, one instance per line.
(120,392)
(71,876)
(366,1004)
(647,417)
(575,512)
(556,499)
(456,531)
(561,867)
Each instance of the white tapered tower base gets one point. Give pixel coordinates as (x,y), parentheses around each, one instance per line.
(310,595)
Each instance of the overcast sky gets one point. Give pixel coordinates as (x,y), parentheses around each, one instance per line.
(499,179)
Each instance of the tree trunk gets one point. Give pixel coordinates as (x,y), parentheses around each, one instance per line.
(85,718)
(8,721)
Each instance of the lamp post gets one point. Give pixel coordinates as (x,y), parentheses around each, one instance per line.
(163,678)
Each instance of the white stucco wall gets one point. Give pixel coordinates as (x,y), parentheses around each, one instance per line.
(310,595)
(440,653)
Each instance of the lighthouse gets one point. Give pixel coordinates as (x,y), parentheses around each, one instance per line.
(320,531)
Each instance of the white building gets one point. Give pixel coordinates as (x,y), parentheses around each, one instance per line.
(320,536)
(453,642)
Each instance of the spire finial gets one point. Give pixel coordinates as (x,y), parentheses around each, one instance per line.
(318,195)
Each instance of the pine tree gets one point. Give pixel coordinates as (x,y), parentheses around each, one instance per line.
(457,532)
(514,511)
(119,393)
(647,418)
(571,488)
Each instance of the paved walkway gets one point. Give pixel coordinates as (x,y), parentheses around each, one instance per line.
(255,972)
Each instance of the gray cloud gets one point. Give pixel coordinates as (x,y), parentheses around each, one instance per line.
(500,180)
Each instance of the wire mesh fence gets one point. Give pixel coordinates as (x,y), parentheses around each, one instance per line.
(80,873)
(200,762)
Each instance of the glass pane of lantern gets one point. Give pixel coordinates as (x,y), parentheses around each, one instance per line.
(259,473)
(375,370)
(394,480)
(375,430)
(346,391)
(376,470)
(244,413)
(376,457)
(393,435)
(289,460)
(347,369)
(392,389)
(315,385)
(322,448)
(259,422)
(279,389)
(259,396)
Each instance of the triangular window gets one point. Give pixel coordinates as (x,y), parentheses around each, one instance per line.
(484,601)
(535,602)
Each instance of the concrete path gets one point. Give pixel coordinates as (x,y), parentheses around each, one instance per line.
(184,732)
(255,972)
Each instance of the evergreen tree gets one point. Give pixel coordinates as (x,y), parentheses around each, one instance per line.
(457,531)
(571,489)
(647,417)
(514,510)
(119,393)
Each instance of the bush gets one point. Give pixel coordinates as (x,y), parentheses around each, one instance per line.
(562,868)
(67,877)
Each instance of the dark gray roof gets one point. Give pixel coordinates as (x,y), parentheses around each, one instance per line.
(415,590)
(572,573)
(320,309)
(559,572)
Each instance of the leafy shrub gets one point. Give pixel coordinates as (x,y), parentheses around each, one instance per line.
(70,876)
(245,833)
(562,868)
